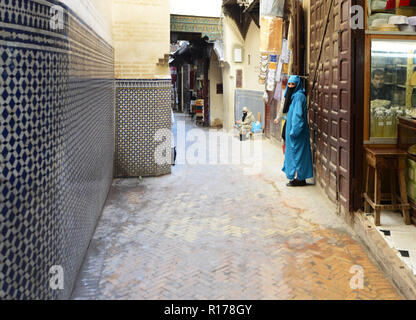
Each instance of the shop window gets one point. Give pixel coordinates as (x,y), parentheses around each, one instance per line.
(395,16)
(393,85)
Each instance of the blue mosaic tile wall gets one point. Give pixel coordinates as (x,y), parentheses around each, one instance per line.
(143,107)
(56,145)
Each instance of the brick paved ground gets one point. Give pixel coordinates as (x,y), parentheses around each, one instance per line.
(210,232)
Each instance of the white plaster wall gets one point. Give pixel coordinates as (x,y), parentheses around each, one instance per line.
(232,37)
(252,59)
(216,100)
(250,67)
(96,14)
(200,8)
(141,36)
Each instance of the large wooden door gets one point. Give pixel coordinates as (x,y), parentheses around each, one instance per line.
(298,61)
(333,100)
(341,120)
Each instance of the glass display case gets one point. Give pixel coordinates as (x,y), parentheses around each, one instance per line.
(392,86)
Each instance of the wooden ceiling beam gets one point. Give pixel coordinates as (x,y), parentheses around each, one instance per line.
(253,5)
(242,17)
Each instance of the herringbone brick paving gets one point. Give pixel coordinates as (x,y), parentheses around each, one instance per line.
(210,232)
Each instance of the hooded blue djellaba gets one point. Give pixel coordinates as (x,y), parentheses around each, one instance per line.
(298,159)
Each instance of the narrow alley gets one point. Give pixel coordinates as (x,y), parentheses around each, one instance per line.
(211,232)
(291,174)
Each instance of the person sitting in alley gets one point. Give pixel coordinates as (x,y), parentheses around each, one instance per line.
(246,123)
(298,158)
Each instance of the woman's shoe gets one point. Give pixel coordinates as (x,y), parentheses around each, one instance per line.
(297,183)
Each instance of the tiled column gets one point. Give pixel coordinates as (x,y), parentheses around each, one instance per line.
(142,108)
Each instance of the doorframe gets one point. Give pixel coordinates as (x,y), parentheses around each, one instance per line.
(357,119)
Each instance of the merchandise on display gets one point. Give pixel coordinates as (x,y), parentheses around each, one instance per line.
(264,64)
(279,71)
(378,5)
(278,92)
(384,122)
(379,22)
(285,56)
(393,83)
(380,104)
(270,86)
(406,10)
(407,28)
(200,110)
(385,27)
(285,80)
(398,20)
(271,76)
(265,97)
(391,15)
(411,113)
(377,16)
(273,8)
(271,31)
(412,21)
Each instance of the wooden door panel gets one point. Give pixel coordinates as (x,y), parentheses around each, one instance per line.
(344,116)
(330,100)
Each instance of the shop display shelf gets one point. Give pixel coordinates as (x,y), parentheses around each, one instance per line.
(390,33)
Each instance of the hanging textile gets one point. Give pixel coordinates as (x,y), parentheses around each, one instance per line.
(271,35)
(274,8)
(192,80)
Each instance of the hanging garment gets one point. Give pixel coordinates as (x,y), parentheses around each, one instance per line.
(391,5)
(192,80)
(407,3)
(298,159)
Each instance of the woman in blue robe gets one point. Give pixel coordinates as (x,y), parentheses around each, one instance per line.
(298,160)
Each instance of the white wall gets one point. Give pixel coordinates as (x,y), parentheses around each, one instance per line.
(252,59)
(96,14)
(251,45)
(201,8)
(141,36)
(216,104)
(232,37)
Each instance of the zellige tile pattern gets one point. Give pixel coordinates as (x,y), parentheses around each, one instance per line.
(56,145)
(143,107)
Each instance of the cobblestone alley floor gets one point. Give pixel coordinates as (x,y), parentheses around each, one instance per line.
(211,232)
